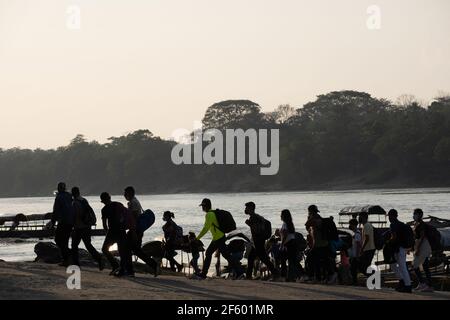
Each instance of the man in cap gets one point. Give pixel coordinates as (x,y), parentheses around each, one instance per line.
(218,239)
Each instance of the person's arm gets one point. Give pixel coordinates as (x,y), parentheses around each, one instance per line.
(206,227)
(55,211)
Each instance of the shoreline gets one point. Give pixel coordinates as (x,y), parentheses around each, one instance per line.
(32,281)
(331,188)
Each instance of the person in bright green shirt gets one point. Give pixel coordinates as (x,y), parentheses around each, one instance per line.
(218,239)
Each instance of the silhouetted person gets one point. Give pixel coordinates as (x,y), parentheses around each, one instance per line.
(112,218)
(399,238)
(218,239)
(257,228)
(63,215)
(172,240)
(82,228)
(288,244)
(134,237)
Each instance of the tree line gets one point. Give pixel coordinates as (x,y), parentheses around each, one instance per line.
(343,139)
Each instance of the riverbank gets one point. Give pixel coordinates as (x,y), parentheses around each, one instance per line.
(30,280)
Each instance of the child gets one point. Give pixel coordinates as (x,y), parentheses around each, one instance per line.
(195,246)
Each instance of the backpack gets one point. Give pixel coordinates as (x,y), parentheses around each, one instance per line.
(127,219)
(300,242)
(406,238)
(378,238)
(433,236)
(225,221)
(329,229)
(178,234)
(267,229)
(145,221)
(89,217)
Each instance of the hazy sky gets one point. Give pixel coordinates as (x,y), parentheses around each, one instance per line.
(158,64)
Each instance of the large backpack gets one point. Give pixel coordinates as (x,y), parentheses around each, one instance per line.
(89,217)
(145,221)
(433,236)
(329,229)
(406,238)
(225,221)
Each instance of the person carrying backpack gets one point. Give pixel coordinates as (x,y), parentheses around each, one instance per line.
(112,218)
(84,219)
(172,238)
(403,240)
(218,239)
(64,216)
(354,252)
(261,231)
(320,254)
(134,236)
(422,252)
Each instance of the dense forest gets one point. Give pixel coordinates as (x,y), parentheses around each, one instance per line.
(344,139)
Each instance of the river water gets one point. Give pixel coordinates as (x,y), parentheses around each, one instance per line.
(269,204)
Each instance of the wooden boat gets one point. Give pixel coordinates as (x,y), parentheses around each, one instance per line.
(32,226)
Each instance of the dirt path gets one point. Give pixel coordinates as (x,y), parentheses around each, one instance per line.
(27,280)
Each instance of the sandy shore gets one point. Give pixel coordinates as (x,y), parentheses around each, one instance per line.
(29,280)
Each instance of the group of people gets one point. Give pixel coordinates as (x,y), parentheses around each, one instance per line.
(281,252)
(401,240)
(75,218)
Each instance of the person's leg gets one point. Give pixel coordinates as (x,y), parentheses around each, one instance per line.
(125,251)
(403,269)
(87,240)
(250,263)
(110,239)
(66,252)
(291,251)
(76,239)
(354,270)
(194,261)
(170,256)
(208,256)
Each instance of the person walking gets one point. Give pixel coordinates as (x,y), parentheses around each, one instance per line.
(218,240)
(63,215)
(134,236)
(422,252)
(84,219)
(288,244)
(259,233)
(112,218)
(172,238)
(402,239)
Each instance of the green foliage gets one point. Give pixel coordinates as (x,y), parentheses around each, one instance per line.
(344,138)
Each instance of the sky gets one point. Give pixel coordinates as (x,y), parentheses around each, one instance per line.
(158,64)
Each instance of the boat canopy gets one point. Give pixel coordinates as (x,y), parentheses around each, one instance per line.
(369,209)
